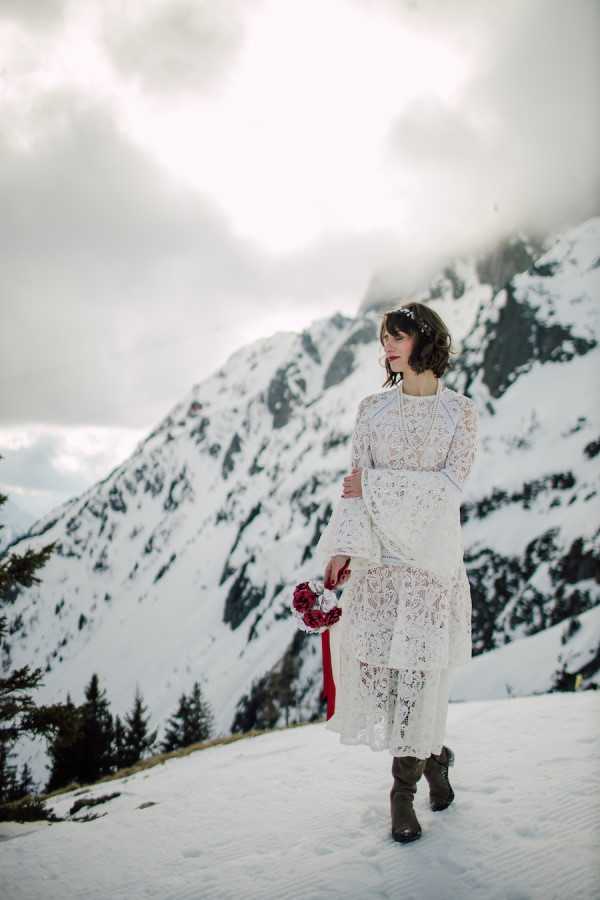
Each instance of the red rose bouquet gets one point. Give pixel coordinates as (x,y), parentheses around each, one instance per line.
(315,607)
(315,610)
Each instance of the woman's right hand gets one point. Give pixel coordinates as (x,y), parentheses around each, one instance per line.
(334,577)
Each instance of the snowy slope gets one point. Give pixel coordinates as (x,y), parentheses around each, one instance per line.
(178,566)
(294,815)
(533,665)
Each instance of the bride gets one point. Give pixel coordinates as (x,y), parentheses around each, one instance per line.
(406,601)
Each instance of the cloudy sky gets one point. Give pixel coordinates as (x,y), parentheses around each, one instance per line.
(180,177)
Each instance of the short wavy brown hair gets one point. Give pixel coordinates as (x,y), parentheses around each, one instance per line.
(433,347)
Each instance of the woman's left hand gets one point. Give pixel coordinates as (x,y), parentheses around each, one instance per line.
(352,484)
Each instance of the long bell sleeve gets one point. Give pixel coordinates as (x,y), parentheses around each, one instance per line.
(416,514)
(350,531)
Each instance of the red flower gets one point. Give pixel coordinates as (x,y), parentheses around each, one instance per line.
(333,615)
(304,598)
(303,603)
(304,585)
(314,618)
(304,589)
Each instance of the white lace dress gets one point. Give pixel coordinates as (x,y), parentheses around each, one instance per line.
(406,610)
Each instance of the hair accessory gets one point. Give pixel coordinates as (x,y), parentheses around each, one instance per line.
(424,327)
(314,607)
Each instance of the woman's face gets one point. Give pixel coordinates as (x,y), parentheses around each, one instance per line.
(397,349)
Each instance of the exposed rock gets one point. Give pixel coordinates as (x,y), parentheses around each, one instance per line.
(514,343)
(344,361)
(229,458)
(309,347)
(242,598)
(510,257)
(286,390)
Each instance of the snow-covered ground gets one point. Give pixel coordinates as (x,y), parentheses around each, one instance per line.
(295,815)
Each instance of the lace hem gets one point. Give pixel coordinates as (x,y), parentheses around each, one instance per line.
(400,710)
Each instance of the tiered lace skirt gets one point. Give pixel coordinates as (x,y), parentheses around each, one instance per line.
(390,612)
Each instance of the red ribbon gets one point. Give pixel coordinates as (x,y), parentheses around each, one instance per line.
(328,691)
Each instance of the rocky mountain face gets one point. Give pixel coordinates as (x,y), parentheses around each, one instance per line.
(179,565)
(532,362)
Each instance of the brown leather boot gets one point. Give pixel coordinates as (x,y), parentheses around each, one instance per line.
(441,794)
(406,771)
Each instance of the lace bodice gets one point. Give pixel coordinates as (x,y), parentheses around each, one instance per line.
(378,440)
(409,511)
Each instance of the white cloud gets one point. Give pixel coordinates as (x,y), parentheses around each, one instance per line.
(120,288)
(175,47)
(42,467)
(34,14)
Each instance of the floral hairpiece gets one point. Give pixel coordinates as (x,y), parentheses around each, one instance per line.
(424,327)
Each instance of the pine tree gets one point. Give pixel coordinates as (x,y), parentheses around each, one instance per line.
(19,714)
(8,774)
(65,749)
(200,724)
(192,723)
(119,745)
(27,785)
(176,728)
(97,732)
(137,740)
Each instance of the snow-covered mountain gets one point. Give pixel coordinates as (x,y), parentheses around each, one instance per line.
(15,522)
(179,565)
(292,815)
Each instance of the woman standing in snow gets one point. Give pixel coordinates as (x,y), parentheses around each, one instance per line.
(406,603)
